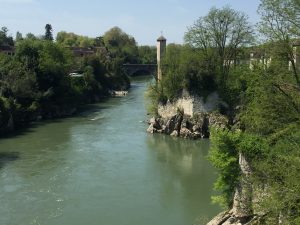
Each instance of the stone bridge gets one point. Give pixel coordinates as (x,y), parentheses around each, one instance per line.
(140,69)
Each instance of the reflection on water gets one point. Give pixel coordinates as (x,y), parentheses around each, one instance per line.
(6,157)
(101,167)
(189,173)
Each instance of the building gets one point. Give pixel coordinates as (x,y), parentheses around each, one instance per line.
(296,55)
(161,49)
(259,57)
(7,50)
(82,52)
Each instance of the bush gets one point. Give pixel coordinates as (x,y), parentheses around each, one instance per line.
(224,156)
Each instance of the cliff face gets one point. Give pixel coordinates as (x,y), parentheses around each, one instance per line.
(185,126)
(244,210)
(188,117)
(189,105)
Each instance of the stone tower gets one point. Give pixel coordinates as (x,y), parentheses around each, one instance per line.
(161,49)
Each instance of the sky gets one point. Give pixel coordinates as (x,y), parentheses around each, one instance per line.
(145,20)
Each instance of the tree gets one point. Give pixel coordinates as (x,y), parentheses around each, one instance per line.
(48,32)
(280,24)
(220,34)
(121,45)
(31,36)
(98,42)
(147,54)
(19,36)
(74,40)
(4,38)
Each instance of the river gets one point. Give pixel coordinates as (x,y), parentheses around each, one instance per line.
(101,168)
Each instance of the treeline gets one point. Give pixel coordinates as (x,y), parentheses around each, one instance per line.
(119,44)
(35,82)
(262,101)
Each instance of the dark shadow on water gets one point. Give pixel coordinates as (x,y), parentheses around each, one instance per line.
(7,157)
(21,131)
(83,111)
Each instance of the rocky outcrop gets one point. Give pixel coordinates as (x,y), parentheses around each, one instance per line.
(188,116)
(190,105)
(186,126)
(229,218)
(242,210)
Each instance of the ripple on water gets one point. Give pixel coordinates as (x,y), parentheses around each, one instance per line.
(101,167)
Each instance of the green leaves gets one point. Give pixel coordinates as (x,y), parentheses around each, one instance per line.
(224,156)
(219,35)
(121,45)
(74,40)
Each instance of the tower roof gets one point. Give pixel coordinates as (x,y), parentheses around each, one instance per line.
(161,38)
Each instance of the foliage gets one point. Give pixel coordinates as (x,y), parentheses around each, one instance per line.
(224,156)
(209,61)
(270,118)
(48,32)
(19,37)
(154,96)
(147,54)
(280,21)
(4,38)
(35,83)
(185,68)
(278,172)
(219,35)
(121,45)
(74,40)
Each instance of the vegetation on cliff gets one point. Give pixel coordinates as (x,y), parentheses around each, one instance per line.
(263,100)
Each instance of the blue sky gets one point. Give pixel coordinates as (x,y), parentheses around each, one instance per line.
(143,19)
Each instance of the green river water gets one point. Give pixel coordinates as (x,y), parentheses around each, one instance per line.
(102,168)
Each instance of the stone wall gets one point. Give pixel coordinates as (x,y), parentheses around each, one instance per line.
(189,105)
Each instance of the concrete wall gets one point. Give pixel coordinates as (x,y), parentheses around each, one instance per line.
(189,105)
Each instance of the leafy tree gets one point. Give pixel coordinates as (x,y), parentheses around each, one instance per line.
(224,156)
(280,24)
(4,38)
(147,54)
(184,68)
(74,40)
(35,81)
(31,36)
(48,32)
(99,42)
(220,34)
(19,36)
(121,45)
(173,80)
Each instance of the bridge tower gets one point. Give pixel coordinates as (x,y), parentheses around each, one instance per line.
(161,49)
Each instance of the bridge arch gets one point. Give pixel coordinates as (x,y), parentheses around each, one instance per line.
(140,69)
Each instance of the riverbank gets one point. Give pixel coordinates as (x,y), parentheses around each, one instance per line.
(9,125)
(100,163)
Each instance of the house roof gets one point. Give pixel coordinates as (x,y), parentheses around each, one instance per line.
(161,38)
(6,48)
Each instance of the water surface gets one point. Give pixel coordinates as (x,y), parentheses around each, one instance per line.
(102,168)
